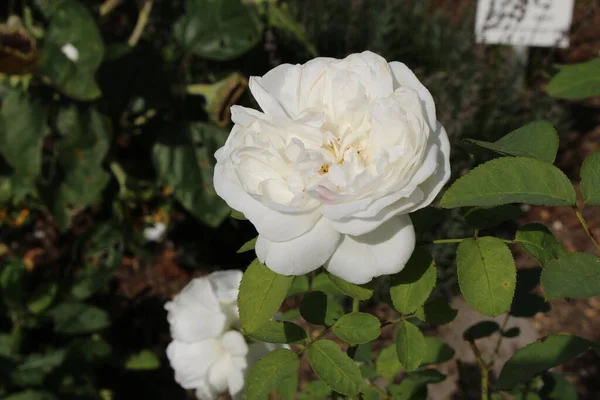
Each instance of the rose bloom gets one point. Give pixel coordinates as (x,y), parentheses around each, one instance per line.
(328,172)
(206,353)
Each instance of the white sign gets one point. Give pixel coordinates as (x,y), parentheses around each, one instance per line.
(544,23)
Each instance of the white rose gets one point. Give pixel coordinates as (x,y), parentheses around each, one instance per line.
(343,151)
(206,354)
(205,308)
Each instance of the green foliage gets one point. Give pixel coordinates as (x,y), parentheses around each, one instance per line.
(590,178)
(269,371)
(77,318)
(572,275)
(334,367)
(143,361)
(318,309)
(511,180)
(261,293)
(436,351)
(486,274)
(315,390)
(357,328)
(185,163)
(489,217)
(578,81)
(436,312)
(537,140)
(218,30)
(410,345)
(539,243)
(279,332)
(539,356)
(412,286)
(414,385)
(359,292)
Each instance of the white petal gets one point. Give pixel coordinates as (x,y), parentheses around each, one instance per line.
(234,343)
(235,382)
(273,225)
(206,392)
(373,70)
(403,76)
(434,184)
(283,83)
(225,284)
(195,314)
(269,104)
(191,361)
(302,254)
(358,259)
(218,373)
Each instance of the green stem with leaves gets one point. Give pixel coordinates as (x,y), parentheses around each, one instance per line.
(319,336)
(483,370)
(586,227)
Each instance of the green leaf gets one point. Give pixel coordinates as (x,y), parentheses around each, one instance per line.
(486,274)
(489,217)
(103,255)
(238,215)
(511,180)
(414,385)
(248,246)
(572,275)
(272,369)
(261,293)
(279,332)
(590,178)
(357,328)
(89,350)
(539,243)
(34,369)
(334,367)
(42,297)
(359,292)
(370,393)
(76,318)
(31,395)
(436,351)
(412,286)
(317,309)
(315,390)
(22,130)
(577,81)
(436,312)
(185,162)
(145,360)
(539,356)
(279,16)
(322,283)
(410,345)
(288,387)
(85,140)
(288,315)
(299,285)
(361,353)
(387,363)
(527,303)
(558,387)
(218,30)
(12,284)
(481,330)
(72,24)
(537,139)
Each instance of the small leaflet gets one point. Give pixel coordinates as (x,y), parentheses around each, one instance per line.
(541,23)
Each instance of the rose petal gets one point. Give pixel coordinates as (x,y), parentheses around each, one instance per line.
(225,284)
(234,343)
(235,382)
(358,259)
(273,225)
(191,361)
(195,314)
(403,76)
(302,254)
(269,104)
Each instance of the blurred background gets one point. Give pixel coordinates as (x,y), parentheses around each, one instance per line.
(106,202)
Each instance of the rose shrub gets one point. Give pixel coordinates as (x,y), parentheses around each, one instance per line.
(206,353)
(328,172)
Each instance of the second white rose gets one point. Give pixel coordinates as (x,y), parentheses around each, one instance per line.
(328,172)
